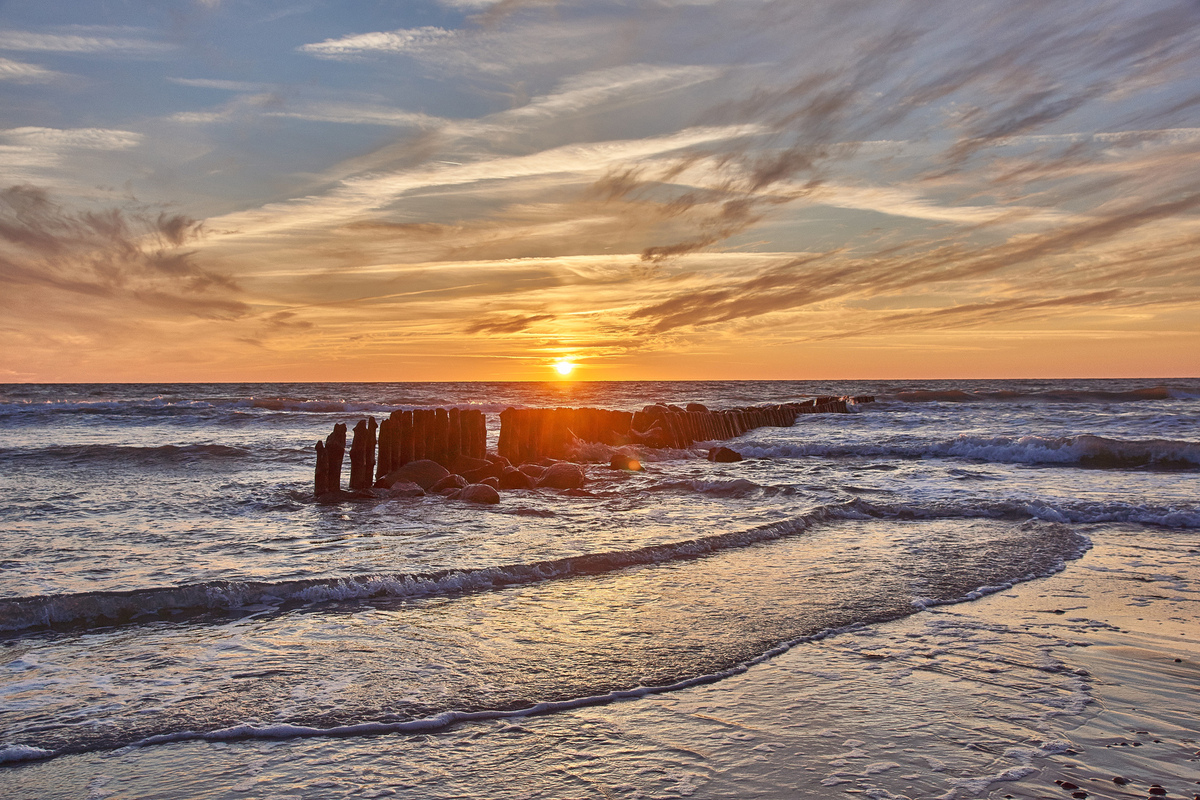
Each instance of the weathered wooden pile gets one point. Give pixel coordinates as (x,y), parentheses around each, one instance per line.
(529,434)
(447,436)
(437,434)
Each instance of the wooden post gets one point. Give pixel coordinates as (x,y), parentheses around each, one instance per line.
(385,448)
(440,440)
(419,433)
(321,478)
(358,446)
(508,430)
(479,436)
(369,458)
(335,453)
(403,448)
(454,437)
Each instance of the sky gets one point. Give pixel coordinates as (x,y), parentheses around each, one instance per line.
(307,190)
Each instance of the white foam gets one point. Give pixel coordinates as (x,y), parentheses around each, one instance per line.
(19,752)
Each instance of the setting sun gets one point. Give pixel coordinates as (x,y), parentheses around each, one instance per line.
(564,367)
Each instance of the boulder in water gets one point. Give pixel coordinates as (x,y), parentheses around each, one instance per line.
(532,470)
(625,462)
(405,489)
(479,493)
(563,475)
(491,469)
(724,455)
(450,482)
(514,478)
(424,473)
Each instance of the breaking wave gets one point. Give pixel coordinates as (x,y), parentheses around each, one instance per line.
(1047,396)
(1086,450)
(101,609)
(178,603)
(167,453)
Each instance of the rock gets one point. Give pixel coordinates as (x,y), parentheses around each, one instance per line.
(514,478)
(622,461)
(493,469)
(563,475)
(462,464)
(533,470)
(654,437)
(724,455)
(495,459)
(449,482)
(493,482)
(405,489)
(696,407)
(479,493)
(424,473)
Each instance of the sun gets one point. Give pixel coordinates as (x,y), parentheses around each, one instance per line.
(564,367)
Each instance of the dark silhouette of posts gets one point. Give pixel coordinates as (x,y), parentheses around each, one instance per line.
(330,454)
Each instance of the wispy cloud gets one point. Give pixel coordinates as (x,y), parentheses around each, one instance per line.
(507,324)
(133,255)
(361,194)
(28,153)
(80,44)
(403,40)
(20,72)
(357,114)
(208,83)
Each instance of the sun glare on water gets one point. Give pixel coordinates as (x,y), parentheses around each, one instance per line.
(564,367)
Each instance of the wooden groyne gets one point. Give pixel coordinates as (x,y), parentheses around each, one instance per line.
(448,436)
(529,434)
(438,434)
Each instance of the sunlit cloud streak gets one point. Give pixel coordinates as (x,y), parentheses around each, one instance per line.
(79,44)
(20,72)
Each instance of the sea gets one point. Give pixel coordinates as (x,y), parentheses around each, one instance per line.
(179,618)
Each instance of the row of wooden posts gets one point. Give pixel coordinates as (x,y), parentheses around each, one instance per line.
(528,434)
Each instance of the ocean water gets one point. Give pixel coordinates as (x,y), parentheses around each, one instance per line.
(166,580)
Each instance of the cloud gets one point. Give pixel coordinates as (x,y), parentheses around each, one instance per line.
(20,72)
(358,114)
(358,195)
(207,83)
(82,45)
(33,153)
(130,256)
(403,40)
(512,324)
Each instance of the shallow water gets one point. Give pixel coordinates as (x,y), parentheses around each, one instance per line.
(166,578)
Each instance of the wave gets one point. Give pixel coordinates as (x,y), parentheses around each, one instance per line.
(102,609)
(1066,511)
(167,453)
(1046,396)
(1073,547)
(179,603)
(163,405)
(1086,450)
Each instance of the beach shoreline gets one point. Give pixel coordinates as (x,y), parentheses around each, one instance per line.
(933,705)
